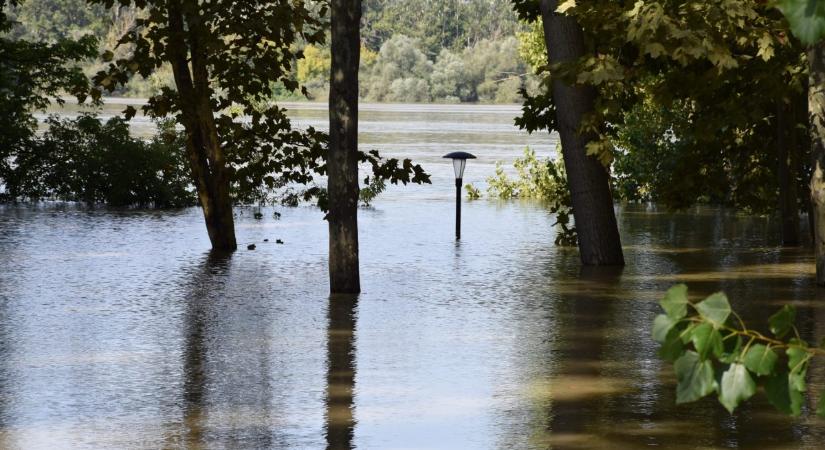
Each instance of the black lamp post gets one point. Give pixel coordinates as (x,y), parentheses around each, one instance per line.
(459,161)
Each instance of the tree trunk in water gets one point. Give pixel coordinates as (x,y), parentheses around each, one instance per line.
(785,147)
(342,164)
(588,179)
(206,159)
(816,115)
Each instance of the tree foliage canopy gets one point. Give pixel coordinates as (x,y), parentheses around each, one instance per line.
(706,76)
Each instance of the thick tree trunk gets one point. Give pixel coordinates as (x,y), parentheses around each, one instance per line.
(785,147)
(816,115)
(206,159)
(588,179)
(342,164)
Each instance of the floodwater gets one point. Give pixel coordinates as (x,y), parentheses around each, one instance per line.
(118,329)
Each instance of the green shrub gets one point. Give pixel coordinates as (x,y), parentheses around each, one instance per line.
(87,160)
(538,179)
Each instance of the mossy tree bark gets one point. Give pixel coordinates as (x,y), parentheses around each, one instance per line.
(342,162)
(588,179)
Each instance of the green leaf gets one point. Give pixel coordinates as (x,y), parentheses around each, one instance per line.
(760,359)
(731,350)
(707,341)
(781,322)
(797,358)
(777,390)
(687,334)
(736,387)
(806,17)
(661,326)
(796,381)
(675,301)
(673,347)
(695,378)
(715,309)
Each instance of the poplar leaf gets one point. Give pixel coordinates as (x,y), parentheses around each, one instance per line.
(806,17)
(782,321)
(715,309)
(695,378)
(736,387)
(778,392)
(675,301)
(707,340)
(760,359)
(673,347)
(661,326)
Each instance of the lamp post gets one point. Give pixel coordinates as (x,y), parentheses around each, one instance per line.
(459,161)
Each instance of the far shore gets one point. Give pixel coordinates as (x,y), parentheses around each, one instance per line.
(365,106)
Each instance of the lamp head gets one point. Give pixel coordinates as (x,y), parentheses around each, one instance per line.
(459,162)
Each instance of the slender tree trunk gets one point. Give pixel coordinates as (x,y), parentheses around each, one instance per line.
(206,159)
(785,147)
(342,164)
(816,115)
(588,179)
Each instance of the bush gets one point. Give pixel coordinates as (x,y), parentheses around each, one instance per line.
(87,160)
(544,180)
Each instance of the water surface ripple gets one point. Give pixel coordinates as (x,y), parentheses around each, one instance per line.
(118,329)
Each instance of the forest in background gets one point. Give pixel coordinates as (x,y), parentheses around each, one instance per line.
(412,50)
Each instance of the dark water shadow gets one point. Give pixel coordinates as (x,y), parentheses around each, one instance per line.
(339,422)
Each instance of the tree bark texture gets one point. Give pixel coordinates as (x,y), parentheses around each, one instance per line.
(588,179)
(786,149)
(342,164)
(207,162)
(816,116)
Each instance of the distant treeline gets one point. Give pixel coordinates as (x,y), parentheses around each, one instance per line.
(413,50)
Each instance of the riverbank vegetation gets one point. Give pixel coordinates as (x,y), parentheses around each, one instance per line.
(412,51)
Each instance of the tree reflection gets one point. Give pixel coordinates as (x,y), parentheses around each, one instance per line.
(340,422)
(214,267)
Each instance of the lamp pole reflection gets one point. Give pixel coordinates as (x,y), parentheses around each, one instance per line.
(340,421)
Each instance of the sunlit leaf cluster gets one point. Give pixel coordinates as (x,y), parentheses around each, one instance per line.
(714,352)
(710,75)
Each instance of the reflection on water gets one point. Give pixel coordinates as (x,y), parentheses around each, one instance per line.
(119,330)
(340,421)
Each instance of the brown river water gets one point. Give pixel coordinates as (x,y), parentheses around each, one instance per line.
(118,329)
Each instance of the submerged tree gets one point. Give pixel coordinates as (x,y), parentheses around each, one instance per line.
(342,162)
(807,19)
(225,56)
(569,108)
